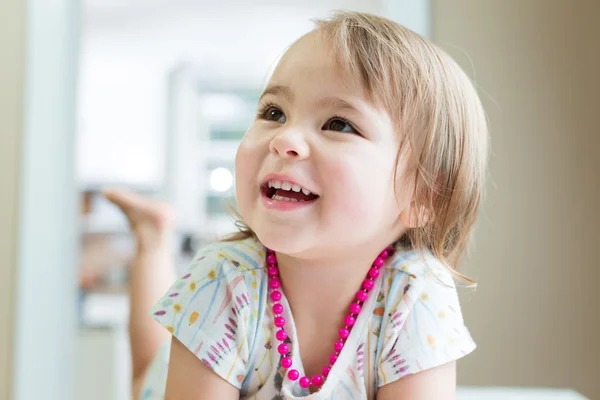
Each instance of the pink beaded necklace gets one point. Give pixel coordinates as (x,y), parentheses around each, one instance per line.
(361,296)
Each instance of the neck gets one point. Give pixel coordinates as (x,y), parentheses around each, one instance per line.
(327,283)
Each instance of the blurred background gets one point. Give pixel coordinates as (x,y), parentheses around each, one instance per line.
(154,96)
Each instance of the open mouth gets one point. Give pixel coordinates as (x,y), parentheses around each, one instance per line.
(287,191)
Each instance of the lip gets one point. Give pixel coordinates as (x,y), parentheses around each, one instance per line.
(283,205)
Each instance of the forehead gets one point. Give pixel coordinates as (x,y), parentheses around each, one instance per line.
(310,64)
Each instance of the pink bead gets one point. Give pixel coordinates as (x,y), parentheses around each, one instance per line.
(344,333)
(390,249)
(283,349)
(362,295)
(269,252)
(304,382)
(275,295)
(384,254)
(274,283)
(273,271)
(279,322)
(368,284)
(378,263)
(293,374)
(374,273)
(271,259)
(281,335)
(333,358)
(338,346)
(349,320)
(355,308)
(317,380)
(326,370)
(277,308)
(286,362)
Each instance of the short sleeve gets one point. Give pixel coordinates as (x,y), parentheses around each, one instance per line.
(210,310)
(424,326)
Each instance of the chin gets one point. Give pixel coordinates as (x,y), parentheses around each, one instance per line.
(280,240)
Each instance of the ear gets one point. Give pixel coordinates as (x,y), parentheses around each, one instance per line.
(415,215)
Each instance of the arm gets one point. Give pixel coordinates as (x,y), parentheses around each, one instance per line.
(190,379)
(436,383)
(151,273)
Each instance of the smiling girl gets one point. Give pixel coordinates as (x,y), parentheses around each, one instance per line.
(358,185)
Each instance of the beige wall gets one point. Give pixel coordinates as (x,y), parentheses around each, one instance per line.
(12,27)
(536,314)
(11,88)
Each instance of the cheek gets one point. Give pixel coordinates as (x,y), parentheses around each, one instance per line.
(246,169)
(362,189)
(251,149)
(242,157)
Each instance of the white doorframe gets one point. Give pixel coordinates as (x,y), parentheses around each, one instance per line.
(45,312)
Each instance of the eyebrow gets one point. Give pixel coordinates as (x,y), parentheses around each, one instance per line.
(338,104)
(328,102)
(281,90)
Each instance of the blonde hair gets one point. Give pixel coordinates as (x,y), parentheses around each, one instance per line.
(438,115)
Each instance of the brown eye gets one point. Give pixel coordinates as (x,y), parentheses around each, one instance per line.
(338,125)
(274,114)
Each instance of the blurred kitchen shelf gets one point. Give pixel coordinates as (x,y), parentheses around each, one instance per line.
(97,187)
(104,308)
(104,227)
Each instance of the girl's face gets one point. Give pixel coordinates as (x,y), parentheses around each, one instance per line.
(317,132)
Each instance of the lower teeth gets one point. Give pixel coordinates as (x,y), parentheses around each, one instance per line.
(277,197)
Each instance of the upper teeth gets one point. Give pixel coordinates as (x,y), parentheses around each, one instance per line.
(275,184)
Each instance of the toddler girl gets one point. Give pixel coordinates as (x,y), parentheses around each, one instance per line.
(358,184)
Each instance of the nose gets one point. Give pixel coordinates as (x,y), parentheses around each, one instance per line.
(290,144)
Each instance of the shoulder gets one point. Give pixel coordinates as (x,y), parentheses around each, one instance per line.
(223,278)
(422,266)
(243,255)
(222,269)
(212,308)
(412,275)
(422,322)
(221,266)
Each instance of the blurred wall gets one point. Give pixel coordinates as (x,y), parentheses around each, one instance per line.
(38,198)
(12,43)
(536,313)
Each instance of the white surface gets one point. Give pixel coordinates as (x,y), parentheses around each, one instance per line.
(103,365)
(103,373)
(491,393)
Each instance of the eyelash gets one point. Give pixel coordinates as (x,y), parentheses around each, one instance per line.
(262,110)
(338,118)
(266,107)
